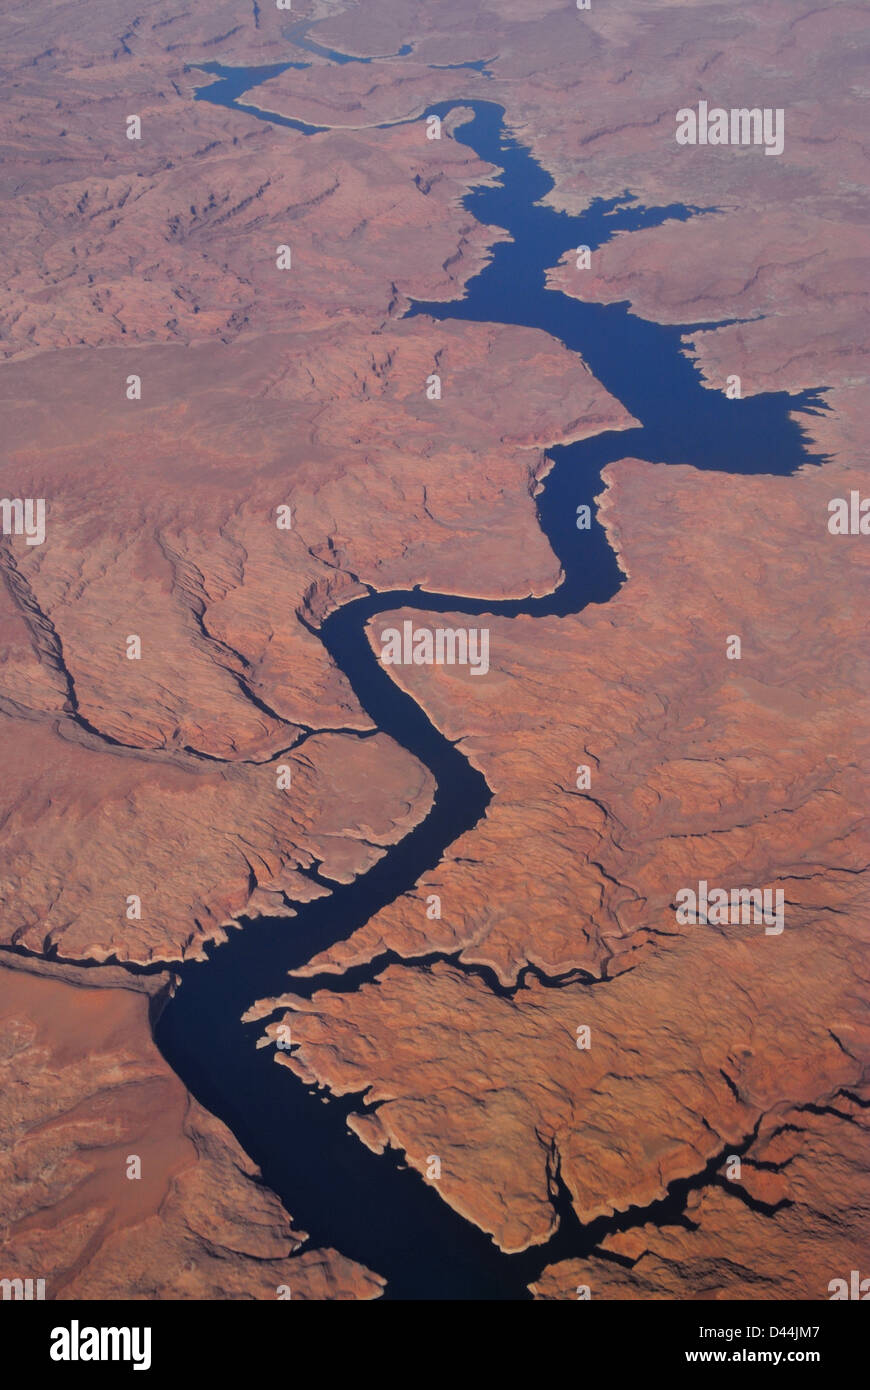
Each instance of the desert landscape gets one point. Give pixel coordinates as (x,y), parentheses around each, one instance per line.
(407,317)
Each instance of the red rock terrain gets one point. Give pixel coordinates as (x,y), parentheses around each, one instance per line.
(711,1041)
(740,773)
(232,682)
(156,778)
(264,388)
(85,1090)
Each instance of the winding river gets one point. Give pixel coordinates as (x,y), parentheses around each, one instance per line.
(371,1207)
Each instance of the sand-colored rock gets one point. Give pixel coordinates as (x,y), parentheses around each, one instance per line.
(749,773)
(735,1251)
(89,828)
(263,388)
(749,765)
(179,547)
(84,1090)
(156,777)
(680,1069)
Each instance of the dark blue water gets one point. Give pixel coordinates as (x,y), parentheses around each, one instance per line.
(370,1207)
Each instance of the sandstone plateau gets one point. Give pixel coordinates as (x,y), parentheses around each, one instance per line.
(84,1089)
(702,1038)
(160,778)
